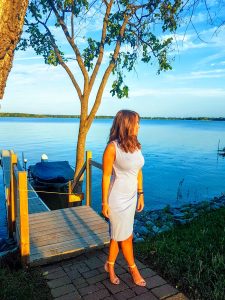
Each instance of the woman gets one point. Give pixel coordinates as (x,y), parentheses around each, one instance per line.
(122,160)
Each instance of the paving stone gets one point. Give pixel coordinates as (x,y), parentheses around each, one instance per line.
(121,262)
(80,282)
(120,270)
(51,268)
(81,257)
(110,298)
(101,269)
(66,263)
(115,288)
(81,285)
(106,250)
(147,272)
(154,281)
(97,278)
(101,294)
(102,256)
(63,290)
(126,277)
(70,296)
(164,291)
(94,263)
(127,294)
(90,274)
(179,296)
(120,255)
(140,265)
(69,268)
(139,289)
(54,275)
(73,274)
(81,267)
(90,289)
(146,296)
(59,282)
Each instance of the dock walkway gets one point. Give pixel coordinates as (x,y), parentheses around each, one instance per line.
(63,233)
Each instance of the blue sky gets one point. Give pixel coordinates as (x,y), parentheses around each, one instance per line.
(195,87)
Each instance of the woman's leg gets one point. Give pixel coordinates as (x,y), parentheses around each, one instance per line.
(113,252)
(127,249)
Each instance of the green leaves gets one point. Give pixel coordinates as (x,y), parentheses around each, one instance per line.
(136,28)
(90,52)
(118,88)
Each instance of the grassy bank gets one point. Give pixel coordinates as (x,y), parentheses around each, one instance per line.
(191,257)
(21,284)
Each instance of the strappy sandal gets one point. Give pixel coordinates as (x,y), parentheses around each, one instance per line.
(140,282)
(106,267)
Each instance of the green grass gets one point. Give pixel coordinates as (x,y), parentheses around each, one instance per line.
(21,284)
(191,257)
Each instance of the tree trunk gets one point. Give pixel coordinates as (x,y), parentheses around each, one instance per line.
(12,13)
(80,147)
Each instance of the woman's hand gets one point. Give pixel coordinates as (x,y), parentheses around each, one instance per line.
(105,210)
(140,204)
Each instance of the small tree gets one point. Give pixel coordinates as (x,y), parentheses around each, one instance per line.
(131,31)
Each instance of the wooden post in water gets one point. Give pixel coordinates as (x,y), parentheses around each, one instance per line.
(12,200)
(88,177)
(24,217)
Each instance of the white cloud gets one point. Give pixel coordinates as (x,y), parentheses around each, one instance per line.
(202,39)
(216,73)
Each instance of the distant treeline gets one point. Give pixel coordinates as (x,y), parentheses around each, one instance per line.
(23,115)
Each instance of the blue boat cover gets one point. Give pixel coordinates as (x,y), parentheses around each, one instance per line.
(52,172)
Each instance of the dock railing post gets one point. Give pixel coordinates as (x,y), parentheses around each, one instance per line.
(24,217)
(88,177)
(12,200)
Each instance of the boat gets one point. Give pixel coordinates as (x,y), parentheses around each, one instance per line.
(51,180)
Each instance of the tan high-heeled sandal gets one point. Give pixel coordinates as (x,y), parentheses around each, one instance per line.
(140,282)
(106,267)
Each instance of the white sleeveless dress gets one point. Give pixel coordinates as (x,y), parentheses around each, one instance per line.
(122,197)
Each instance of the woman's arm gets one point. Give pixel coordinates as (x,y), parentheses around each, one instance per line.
(140,204)
(107,167)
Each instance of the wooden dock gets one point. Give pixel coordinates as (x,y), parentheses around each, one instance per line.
(64,233)
(45,236)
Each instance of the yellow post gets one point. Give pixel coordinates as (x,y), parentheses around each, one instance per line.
(12,200)
(88,177)
(24,217)
(72,197)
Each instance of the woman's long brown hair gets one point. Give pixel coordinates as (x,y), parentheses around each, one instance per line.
(122,130)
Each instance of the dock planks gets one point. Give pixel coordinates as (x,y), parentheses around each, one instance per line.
(58,234)
(64,233)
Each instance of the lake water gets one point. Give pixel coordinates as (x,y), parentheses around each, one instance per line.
(181,162)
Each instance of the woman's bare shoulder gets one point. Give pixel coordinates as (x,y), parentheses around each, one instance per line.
(110,147)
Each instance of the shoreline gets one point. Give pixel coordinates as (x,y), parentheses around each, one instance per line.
(41,116)
(149,223)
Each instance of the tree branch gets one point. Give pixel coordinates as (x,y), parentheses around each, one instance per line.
(73,45)
(62,63)
(101,50)
(107,73)
(72,23)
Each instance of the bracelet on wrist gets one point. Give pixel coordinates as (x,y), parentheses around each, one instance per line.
(140,193)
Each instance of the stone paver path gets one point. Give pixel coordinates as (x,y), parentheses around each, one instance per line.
(83,277)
